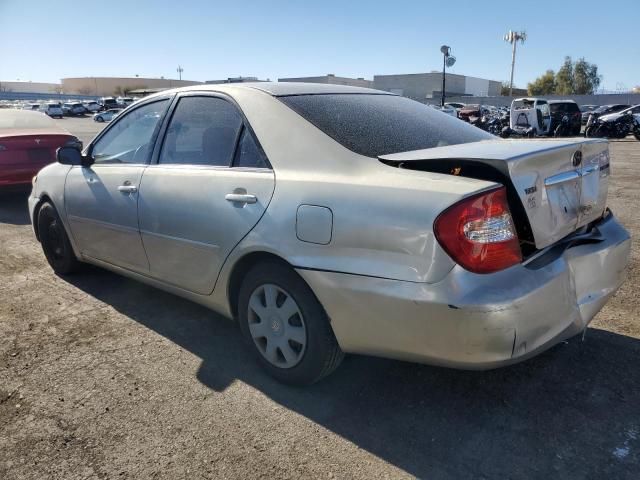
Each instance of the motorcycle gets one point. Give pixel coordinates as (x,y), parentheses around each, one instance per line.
(618,127)
(489,123)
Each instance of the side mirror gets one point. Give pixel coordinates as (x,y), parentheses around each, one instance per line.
(71,156)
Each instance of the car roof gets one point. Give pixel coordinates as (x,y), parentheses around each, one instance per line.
(562,101)
(282,89)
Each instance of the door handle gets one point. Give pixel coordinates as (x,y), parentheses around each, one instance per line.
(127,188)
(240,198)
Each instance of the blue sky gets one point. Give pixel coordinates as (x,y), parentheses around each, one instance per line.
(45,40)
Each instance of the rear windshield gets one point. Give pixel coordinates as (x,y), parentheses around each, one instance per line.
(563,107)
(375,125)
(523,104)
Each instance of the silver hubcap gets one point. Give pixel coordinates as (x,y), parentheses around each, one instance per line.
(277,326)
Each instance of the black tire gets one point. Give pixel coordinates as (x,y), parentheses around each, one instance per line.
(322,354)
(55,242)
(636,133)
(588,132)
(99,119)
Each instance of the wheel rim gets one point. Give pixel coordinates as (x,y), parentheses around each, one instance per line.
(55,240)
(277,326)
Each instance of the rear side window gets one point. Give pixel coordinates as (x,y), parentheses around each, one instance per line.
(202,131)
(248,154)
(375,125)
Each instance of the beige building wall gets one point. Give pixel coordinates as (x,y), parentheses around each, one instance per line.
(29,87)
(106,86)
(332,80)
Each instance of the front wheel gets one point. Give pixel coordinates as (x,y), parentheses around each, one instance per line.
(99,119)
(55,242)
(287,327)
(589,131)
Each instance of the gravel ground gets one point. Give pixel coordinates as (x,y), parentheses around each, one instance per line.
(102,377)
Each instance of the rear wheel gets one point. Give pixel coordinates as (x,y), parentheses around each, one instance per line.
(55,242)
(287,327)
(99,119)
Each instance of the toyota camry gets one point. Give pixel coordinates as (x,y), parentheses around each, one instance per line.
(329,219)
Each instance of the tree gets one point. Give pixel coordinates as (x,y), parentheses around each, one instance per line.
(585,77)
(504,89)
(573,78)
(564,78)
(543,85)
(85,90)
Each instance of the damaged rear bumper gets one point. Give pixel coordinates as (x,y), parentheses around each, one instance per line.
(477,321)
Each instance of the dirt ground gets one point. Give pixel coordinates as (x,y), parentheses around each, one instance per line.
(102,377)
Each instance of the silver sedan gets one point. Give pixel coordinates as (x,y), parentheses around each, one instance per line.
(330,220)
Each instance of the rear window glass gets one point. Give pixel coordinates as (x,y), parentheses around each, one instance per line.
(564,107)
(375,125)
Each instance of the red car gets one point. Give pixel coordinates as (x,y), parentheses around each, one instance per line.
(28,142)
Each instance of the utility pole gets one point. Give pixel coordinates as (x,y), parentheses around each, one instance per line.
(513,38)
(179,70)
(447,61)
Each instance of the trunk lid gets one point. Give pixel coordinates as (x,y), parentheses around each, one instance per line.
(555,187)
(22,155)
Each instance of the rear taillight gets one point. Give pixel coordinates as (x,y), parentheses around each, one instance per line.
(478,232)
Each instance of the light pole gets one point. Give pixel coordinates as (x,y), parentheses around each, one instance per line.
(513,38)
(179,70)
(447,61)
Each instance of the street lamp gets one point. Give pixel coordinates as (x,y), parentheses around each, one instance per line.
(447,61)
(513,38)
(179,70)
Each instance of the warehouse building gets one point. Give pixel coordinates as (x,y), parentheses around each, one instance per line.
(422,86)
(331,79)
(103,86)
(235,80)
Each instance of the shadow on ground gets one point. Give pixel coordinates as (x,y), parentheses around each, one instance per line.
(573,412)
(14,209)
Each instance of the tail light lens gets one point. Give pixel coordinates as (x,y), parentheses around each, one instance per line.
(478,232)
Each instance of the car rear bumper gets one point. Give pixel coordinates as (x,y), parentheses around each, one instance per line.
(476,321)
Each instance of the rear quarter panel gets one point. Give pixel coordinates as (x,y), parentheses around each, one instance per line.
(382,216)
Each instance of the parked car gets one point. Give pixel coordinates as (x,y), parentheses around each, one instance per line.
(107,115)
(587,108)
(384,227)
(473,110)
(635,111)
(31,106)
(531,116)
(446,109)
(28,142)
(108,102)
(73,109)
(91,106)
(53,109)
(456,105)
(565,108)
(603,110)
(124,101)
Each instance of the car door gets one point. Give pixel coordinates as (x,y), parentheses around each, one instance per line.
(101,200)
(195,203)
